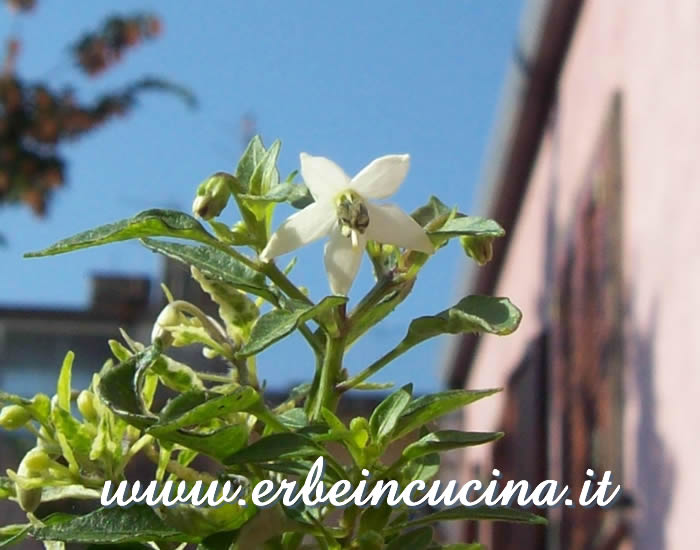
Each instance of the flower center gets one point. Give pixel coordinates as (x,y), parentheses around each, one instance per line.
(352,214)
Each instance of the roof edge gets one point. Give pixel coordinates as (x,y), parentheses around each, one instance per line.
(530,88)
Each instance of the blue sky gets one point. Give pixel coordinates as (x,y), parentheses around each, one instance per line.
(350,81)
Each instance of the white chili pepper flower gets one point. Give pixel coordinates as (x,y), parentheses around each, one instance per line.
(343,212)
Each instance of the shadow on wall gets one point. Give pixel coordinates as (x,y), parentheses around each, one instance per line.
(656,476)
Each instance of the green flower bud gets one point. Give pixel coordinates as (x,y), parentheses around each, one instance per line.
(359,427)
(480,249)
(13,417)
(212,195)
(42,404)
(34,463)
(235,308)
(86,406)
(168,317)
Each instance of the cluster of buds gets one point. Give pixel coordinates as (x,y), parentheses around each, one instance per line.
(97,51)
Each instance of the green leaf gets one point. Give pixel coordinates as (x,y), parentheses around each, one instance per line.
(137,523)
(472,226)
(63,386)
(150,223)
(423,468)
(250,159)
(445,440)
(14,533)
(431,214)
(278,323)
(218,444)
(78,435)
(214,264)
(386,414)
(418,539)
(294,419)
(117,388)
(297,194)
(265,175)
(197,407)
(388,303)
(472,314)
(7,488)
(490,513)
(429,407)
(275,447)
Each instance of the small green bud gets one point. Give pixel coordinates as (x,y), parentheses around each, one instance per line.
(86,406)
(359,427)
(13,417)
(212,195)
(480,249)
(42,403)
(168,317)
(34,463)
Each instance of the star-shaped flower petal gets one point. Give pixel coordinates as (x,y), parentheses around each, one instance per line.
(343,212)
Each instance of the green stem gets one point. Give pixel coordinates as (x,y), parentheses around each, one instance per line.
(375,367)
(281,280)
(324,394)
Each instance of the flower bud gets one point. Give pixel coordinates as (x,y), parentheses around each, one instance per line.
(212,195)
(13,417)
(480,249)
(359,427)
(33,464)
(35,461)
(168,317)
(86,406)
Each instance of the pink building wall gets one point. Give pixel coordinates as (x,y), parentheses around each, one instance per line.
(649,50)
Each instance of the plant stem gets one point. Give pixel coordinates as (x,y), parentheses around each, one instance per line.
(325,395)
(177,469)
(379,364)
(281,280)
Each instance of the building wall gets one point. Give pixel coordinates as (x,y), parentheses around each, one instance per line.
(648,50)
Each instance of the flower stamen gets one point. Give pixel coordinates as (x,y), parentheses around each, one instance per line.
(352,214)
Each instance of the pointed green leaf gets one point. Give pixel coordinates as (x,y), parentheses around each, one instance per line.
(263,177)
(275,447)
(198,407)
(138,523)
(472,226)
(214,264)
(386,414)
(218,444)
(150,223)
(490,513)
(64,378)
(250,159)
(445,440)
(429,407)
(472,314)
(432,213)
(297,194)
(423,468)
(118,389)
(278,323)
